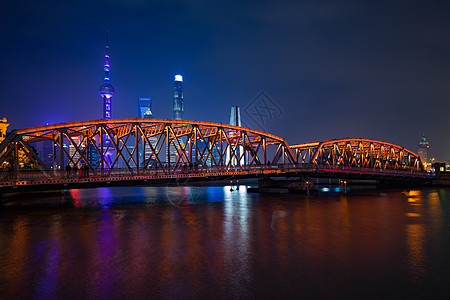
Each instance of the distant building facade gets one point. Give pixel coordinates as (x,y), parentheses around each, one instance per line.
(178,105)
(235,116)
(424,153)
(145,112)
(177,114)
(45,152)
(145,108)
(235,120)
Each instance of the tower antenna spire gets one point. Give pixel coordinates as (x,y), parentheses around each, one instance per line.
(106,90)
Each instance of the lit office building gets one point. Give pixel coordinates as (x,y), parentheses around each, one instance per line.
(177,113)
(178,106)
(45,152)
(145,112)
(235,119)
(93,156)
(424,153)
(145,108)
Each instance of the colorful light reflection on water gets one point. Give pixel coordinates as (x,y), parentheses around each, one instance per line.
(211,242)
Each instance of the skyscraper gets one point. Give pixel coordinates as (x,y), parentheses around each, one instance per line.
(178,106)
(106,90)
(145,108)
(235,119)
(177,113)
(145,112)
(424,152)
(235,116)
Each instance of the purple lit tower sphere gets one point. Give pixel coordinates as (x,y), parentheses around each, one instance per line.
(106,90)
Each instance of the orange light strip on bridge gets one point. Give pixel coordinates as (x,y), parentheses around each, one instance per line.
(142,121)
(336,141)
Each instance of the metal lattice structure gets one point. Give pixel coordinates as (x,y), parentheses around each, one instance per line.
(146,143)
(362,153)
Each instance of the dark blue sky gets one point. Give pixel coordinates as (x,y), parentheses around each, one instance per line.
(332,69)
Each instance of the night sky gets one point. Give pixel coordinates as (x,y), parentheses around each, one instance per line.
(326,69)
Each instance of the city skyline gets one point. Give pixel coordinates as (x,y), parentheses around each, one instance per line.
(353,69)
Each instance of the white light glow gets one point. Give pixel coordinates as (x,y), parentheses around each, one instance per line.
(178,77)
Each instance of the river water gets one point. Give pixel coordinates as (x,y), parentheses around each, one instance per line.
(213,243)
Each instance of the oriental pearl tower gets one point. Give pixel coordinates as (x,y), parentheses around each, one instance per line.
(106,90)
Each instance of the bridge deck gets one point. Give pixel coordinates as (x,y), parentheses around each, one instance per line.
(29,181)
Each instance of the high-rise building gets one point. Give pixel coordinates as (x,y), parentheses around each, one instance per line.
(93,156)
(235,120)
(177,113)
(45,152)
(106,90)
(145,108)
(235,116)
(73,151)
(145,112)
(424,153)
(178,106)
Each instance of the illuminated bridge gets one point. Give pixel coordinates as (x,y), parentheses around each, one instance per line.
(155,151)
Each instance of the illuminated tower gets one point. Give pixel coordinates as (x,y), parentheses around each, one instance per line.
(178,107)
(424,152)
(106,90)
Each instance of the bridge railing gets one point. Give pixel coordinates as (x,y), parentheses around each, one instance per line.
(30,175)
(23,175)
(374,171)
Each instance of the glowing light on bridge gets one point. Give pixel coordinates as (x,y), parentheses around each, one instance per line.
(199,144)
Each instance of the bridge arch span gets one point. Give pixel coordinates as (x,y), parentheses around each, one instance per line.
(144,143)
(357,152)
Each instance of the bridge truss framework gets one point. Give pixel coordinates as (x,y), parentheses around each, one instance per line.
(358,152)
(146,143)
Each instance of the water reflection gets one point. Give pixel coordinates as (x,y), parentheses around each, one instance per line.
(236,244)
(47,286)
(106,197)
(14,253)
(415,241)
(206,242)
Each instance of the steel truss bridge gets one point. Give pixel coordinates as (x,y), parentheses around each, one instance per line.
(148,151)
